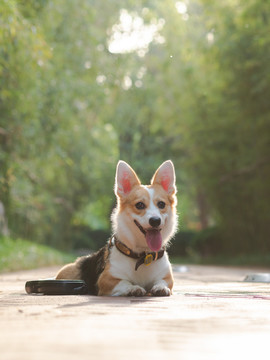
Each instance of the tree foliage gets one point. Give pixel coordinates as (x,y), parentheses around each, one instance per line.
(195,89)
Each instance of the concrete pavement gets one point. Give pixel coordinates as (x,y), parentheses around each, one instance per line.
(213,314)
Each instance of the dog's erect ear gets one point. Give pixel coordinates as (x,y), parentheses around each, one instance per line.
(125,179)
(165,176)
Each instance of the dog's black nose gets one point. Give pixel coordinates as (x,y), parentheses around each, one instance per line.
(154,221)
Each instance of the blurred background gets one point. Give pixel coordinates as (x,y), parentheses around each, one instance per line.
(86,83)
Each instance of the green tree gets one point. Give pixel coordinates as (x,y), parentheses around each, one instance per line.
(22,51)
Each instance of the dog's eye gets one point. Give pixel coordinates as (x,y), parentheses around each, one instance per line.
(161,204)
(140,205)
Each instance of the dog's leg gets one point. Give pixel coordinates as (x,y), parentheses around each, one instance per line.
(125,288)
(69,272)
(108,285)
(163,287)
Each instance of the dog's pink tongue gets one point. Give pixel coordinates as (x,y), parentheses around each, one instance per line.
(154,240)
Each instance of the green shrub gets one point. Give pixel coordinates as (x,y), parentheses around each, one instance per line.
(18,254)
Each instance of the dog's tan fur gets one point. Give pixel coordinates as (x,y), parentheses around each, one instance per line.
(106,282)
(69,271)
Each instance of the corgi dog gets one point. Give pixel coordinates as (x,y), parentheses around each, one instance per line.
(134,262)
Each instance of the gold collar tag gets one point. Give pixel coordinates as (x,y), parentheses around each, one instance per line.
(148,259)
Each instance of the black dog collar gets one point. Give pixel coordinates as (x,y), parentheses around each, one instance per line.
(144,257)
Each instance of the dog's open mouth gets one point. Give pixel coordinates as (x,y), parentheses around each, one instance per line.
(153,237)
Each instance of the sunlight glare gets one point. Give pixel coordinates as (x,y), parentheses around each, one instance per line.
(127,83)
(181,7)
(210,38)
(101,79)
(87,65)
(131,34)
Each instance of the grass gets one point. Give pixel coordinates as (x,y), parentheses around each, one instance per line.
(18,254)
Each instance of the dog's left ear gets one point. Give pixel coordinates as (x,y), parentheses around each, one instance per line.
(165,176)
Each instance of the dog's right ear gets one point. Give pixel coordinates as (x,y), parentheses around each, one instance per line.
(125,179)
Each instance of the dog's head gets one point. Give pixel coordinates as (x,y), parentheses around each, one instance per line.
(145,217)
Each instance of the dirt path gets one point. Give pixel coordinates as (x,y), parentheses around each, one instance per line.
(213,314)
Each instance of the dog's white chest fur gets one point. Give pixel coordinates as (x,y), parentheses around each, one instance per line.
(123,267)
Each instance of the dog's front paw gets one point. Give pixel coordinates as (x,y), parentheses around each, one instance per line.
(136,291)
(160,290)
(125,288)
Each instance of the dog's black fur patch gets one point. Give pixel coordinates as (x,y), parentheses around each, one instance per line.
(91,266)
